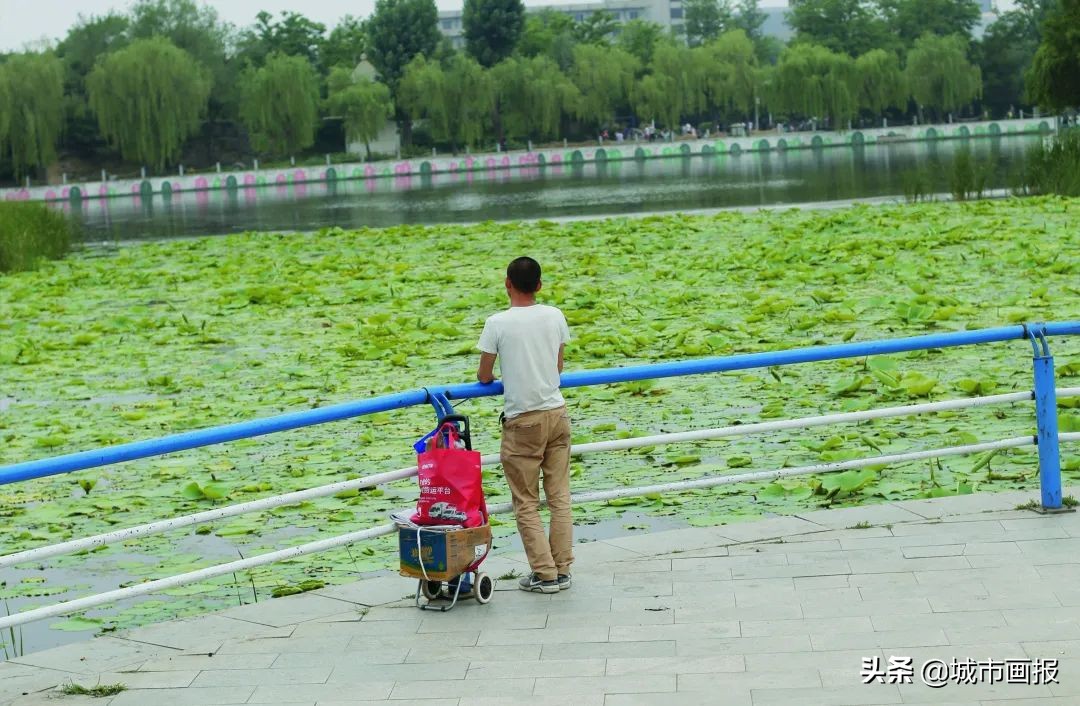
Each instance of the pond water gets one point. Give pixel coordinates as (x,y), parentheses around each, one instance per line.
(667,184)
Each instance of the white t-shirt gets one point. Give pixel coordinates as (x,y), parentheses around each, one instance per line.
(527,340)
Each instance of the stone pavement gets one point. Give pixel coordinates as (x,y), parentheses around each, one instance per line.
(779,611)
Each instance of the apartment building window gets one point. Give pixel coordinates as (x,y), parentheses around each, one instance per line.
(633,14)
(676,13)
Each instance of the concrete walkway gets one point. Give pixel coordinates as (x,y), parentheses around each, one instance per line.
(792,610)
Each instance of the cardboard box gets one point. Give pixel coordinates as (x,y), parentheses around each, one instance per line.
(446,554)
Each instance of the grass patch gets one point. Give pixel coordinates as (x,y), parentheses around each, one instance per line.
(30,232)
(1070,501)
(1029,505)
(510,575)
(99,691)
(861,525)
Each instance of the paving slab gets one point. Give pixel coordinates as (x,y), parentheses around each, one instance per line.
(784,611)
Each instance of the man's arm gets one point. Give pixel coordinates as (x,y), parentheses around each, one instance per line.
(561,347)
(486,372)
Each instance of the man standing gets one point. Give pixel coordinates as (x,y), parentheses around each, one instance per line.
(528,339)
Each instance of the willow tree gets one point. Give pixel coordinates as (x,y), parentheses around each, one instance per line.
(939,74)
(812,81)
(732,82)
(604,76)
(882,84)
(363,105)
(651,100)
(149,97)
(534,96)
(279,104)
(31,109)
(456,99)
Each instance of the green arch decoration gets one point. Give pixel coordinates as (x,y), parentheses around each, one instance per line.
(817,142)
(685,149)
(707,149)
(857,138)
(962,131)
(762,145)
(781,144)
(931,134)
(541,159)
(425,167)
(1044,126)
(614,155)
(719,146)
(166,189)
(736,148)
(993,129)
(230,183)
(601,154)
(75,194)
(331,174)
(639,153)
(146,190)
(576,157)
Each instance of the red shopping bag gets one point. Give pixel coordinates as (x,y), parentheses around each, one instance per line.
(450,483)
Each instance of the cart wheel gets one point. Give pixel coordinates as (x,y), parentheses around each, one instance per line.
(430,589)
(485,587)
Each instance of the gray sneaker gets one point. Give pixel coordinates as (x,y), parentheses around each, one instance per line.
(532,582)
(563,581)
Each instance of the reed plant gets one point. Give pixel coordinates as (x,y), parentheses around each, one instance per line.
(1054,167)
(31,232)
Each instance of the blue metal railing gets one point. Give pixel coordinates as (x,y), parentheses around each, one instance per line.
(439,397)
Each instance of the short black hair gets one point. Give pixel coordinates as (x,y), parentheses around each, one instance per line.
(524,274)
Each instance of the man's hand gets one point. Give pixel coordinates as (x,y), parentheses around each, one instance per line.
(486,372)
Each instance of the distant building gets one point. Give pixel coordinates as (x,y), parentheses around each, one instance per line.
(667,13)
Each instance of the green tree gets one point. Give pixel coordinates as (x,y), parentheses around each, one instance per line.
(604,76)
(492,29)
(149,97)
(398,32)
(32,115)
(363,105)
(455,99)
(197,30)
(279,104)
(194,28)
(86,41)
(640,38)
(705,20)
(1054,78)
(597,28)
(292,35)
(346,44)
(940,76)
(733,79)
(910,19)
(1005,54)
(852,27)
(549,33)
(534,96)
(881,81)
(749,18)
(811,81)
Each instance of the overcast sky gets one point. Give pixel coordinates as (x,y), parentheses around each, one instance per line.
(23,21)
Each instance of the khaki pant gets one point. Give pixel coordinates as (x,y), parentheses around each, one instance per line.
(532,443)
